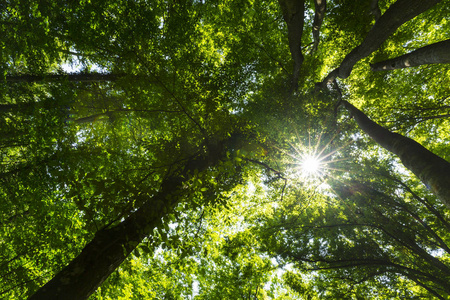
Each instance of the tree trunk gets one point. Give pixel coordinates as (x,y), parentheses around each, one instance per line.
(437,53)
(75,77)
(17,107)
(320,7)
(90,119)
(398,13)
(375,9)
(28,108)
(111,246)
(293,14)
(431,169)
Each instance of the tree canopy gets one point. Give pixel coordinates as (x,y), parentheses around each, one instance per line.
(231,149)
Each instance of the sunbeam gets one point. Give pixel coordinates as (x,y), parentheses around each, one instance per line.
(310,165)
(314,161)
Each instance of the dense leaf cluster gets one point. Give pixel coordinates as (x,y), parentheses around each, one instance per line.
(152,150)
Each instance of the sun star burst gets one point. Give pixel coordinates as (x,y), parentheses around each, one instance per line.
(310,165)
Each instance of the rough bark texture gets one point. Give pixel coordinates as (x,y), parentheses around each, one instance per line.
(397,14)
(110,247)
(438,53)
(431,169)
(293,14)
(320,7)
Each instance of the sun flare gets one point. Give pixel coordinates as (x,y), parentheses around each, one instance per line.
(315,161)
(310,165)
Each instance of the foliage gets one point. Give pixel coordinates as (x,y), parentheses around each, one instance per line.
(169,80)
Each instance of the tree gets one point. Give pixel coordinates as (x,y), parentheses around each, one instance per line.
(430,168)
(380,238)
(126,139)
(294,15)
(437,53)
(320,8)
(397,14)
(111,246)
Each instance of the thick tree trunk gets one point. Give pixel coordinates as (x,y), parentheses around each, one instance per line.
(110,247)
(437,53)
(431,169)
(75,77)
(397,14)
(293,14)
(320,7)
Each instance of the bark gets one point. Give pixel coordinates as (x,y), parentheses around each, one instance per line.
(111,246)
(396,15)
(32,106)
(320,7)
(17,107)
(431,169)
(75,77)
(293,14)
(437,53)
(90,119)
(375,9)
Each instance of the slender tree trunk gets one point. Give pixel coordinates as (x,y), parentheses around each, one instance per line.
(437,53)
(431,169)
(408,242)
(17,107)
(375,9)
(320,7)
(76,77)
(398,13)
(111,246)
(23,108)
(90,119)
(294,14)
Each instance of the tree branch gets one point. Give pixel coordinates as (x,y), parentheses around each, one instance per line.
(431,169)
(375,9)
(397,14)
(437,53)
(294,15)
(320,7)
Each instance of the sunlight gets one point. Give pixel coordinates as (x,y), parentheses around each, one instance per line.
(310,165)
(315,161)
